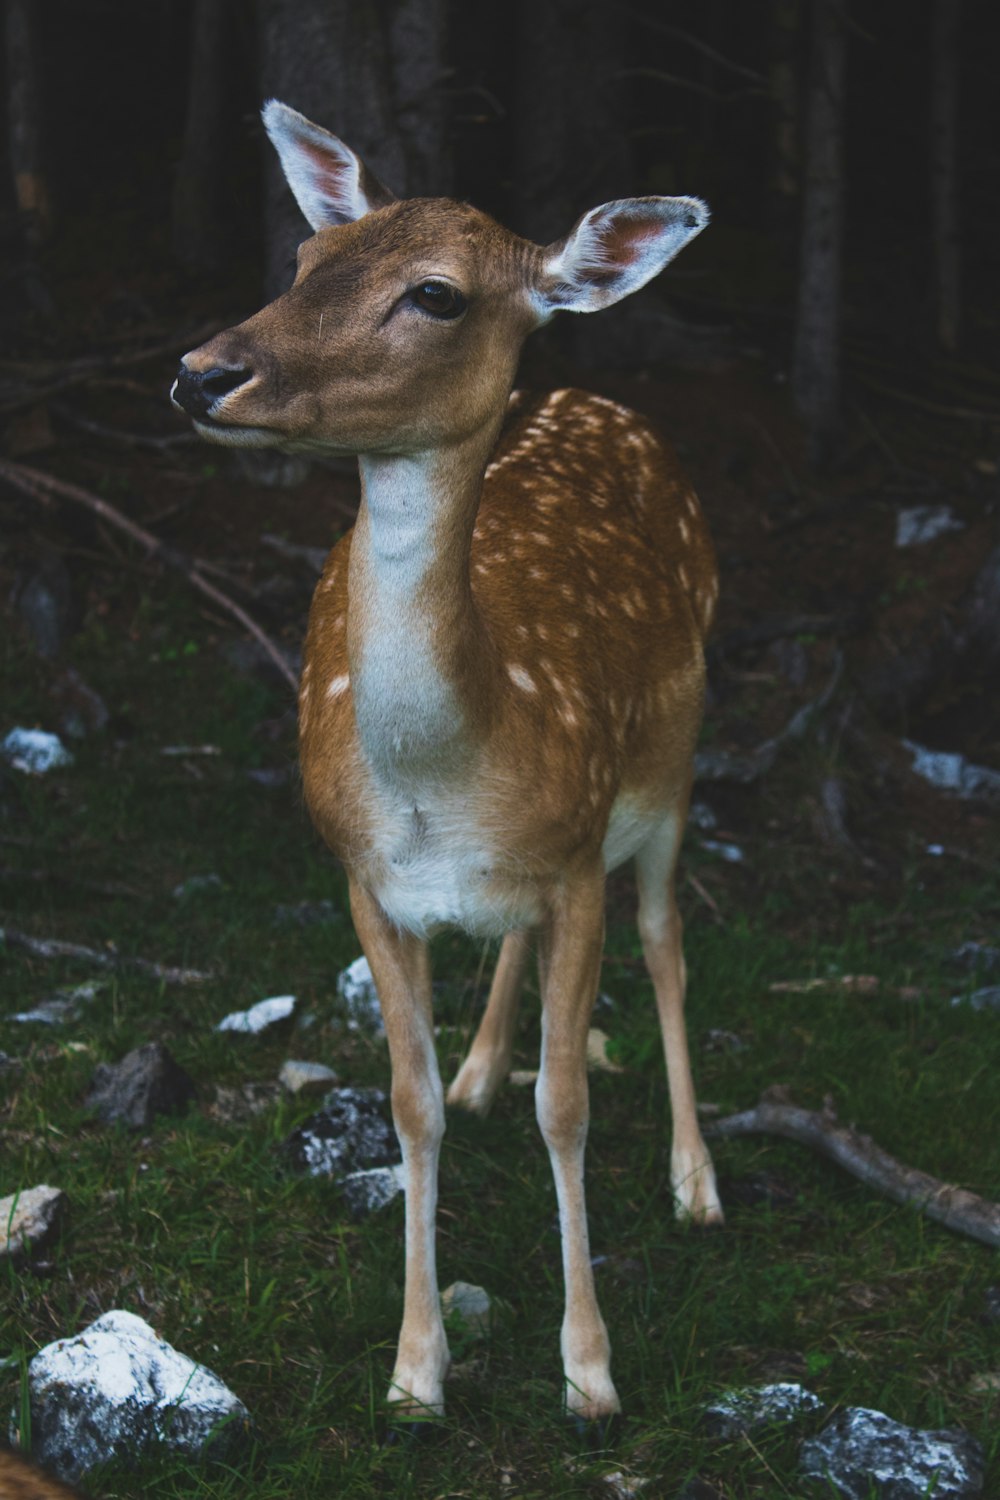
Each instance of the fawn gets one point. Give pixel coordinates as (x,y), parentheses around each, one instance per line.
(503,674)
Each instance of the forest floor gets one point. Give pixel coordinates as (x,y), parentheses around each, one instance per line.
(849,864)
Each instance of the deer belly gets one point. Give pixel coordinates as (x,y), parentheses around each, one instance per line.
(423,883)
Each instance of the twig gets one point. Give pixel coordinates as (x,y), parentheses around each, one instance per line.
(954,1207)
(938,408)
(157,441)
(42,486)
(679,34)
(707,897)
(82,370)
(693,86)
(56,948)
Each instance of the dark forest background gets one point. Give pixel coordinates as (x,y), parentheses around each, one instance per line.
(824,355)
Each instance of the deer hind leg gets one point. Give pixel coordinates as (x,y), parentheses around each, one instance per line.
(479,1079)
(692,1175)
(572,948)
(401,969)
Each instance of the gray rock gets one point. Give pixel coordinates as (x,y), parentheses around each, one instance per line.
(367,1191)
(116,1387)
(44,605)
(349,1133)
(34,752)
(61,1006)
(146,1083)
(757,1406)
(918,524)
(731,853)
(356,988)
(951,772)
(260,1016)
(237,1103)
(470,1306)
(305,1077)
(863,1452)
(972,955)
(985,999)
(28,1219)
(81,711)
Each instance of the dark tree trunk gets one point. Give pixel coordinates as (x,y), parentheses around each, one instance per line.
(783,87)
(570,147)
(370,71)
(816,362)
(24,120)
(200,220)
(945,55)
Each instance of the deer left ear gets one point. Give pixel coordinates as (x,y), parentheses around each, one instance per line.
(331,183)
(615,249)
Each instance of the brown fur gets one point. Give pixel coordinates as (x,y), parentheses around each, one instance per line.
(21,1480)
(503,674)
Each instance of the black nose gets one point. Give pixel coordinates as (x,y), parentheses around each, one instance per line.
(198,390)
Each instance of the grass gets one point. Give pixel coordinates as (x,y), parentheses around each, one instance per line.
(198,1227)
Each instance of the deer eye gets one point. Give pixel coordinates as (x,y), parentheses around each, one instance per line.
(439,299)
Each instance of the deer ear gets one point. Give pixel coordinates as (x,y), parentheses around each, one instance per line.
(616,249)
(331,184)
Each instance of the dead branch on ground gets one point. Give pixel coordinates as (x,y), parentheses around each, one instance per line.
(42,486)
(723,765)
(109,959)
(954,1207)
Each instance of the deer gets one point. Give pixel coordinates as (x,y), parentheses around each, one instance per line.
(503,674)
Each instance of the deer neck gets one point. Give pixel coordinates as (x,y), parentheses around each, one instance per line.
(419,655)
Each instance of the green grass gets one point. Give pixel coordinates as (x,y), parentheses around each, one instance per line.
(197,1226)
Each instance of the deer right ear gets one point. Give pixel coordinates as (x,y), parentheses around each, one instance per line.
(331,184)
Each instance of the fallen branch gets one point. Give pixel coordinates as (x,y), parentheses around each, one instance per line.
(107,959)
(159,442)
(954,1207)
(78,372)
(722,765)
(42,486)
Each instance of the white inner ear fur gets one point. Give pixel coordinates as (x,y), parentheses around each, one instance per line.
(324,174)
(615,249)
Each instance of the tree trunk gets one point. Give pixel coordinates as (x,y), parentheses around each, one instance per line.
(200,224)
(816,361)
(945,54)
(24,120)
(783,86)
(370,71)
(570,148)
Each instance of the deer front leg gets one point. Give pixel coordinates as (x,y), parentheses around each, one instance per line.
(401,969)
(573,946)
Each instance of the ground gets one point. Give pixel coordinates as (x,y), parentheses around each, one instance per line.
(198,1226)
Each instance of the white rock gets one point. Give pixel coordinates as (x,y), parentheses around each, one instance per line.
(26,1219)
(755,1406)
(951,772)
(115,1387)
(305,1077)
(34,752)
(356,988)
(731,853)
(923,523)
(373,1188)
(862,1452)
(470,1305)
(984,999)
(260,1016)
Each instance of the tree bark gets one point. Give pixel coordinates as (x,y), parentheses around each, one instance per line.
(370,71)
(783,86)
(200,225)
(945,55)
(24,120)
(816,362)
(570,147)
